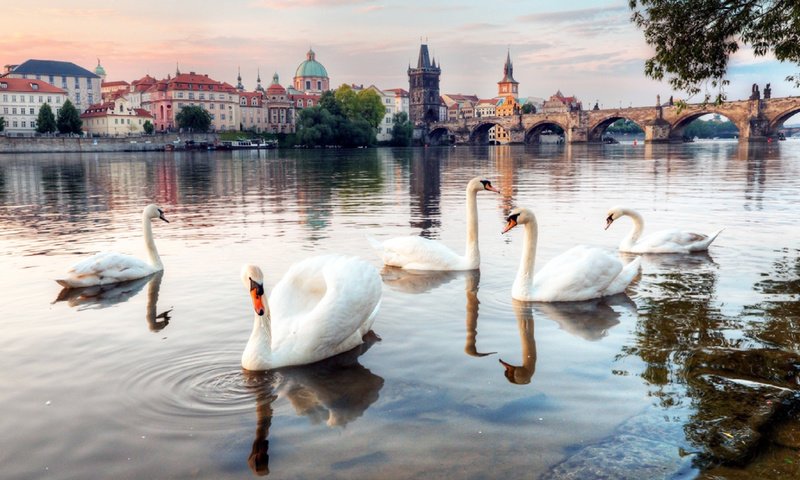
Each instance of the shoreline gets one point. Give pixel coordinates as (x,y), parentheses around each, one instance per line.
(139,143)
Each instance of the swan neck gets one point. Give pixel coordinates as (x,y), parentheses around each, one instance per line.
(261,337)
(523,284)
(638,227)
(472,253)
(150,245)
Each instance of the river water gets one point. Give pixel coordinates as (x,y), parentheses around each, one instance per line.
(144,381)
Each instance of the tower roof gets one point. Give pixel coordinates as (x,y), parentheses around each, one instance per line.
(508,70)
(311,67)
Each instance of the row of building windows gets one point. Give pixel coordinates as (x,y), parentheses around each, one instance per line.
(30,98)
(51,79)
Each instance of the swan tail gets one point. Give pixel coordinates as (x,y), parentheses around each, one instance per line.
(714,237)
(625,277)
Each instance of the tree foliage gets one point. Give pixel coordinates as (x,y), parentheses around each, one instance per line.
(194,118)
(623,126)
(148,127)
(402,130)
(694,39)
(2,123)
(46,121)
(343,118)
(69,120)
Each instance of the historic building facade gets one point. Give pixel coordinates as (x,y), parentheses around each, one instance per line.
(280,111)
(81,85)
(116,117)
(165,98)
(423,89)
(309,82)
(20,101)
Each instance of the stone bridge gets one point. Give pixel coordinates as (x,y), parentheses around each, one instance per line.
(757,120)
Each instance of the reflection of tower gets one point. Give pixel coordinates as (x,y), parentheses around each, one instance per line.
(425,193)
(423,89)
(504,164)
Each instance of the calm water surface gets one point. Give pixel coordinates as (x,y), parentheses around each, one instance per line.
(143,380)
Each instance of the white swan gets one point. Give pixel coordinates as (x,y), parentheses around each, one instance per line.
(321,307)
(418,253)
(112,267)
(664,241)
(580,273)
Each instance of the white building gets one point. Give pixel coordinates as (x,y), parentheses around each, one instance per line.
(81,85)
(115,118)
(20,101)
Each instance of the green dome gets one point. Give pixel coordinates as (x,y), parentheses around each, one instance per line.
(311,67)
(99,70)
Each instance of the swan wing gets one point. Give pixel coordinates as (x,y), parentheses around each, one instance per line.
(580,273)
(625,277)
(323,306)
(419,253)
(104,268)
(673,241)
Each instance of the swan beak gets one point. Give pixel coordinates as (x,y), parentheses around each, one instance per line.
(257,295)
(511,224)
(162,217)
(609,221)
(492,189)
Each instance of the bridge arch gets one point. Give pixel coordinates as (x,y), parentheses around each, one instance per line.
(440,136)
(479,135)
(534,133)
(598,130)
(777,122)
(676,133)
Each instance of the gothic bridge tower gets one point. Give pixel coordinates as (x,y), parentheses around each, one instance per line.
(423,89)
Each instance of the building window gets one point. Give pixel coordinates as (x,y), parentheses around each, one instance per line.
(180,94)
(202,96)
(50,79)
(23,124)
(77,82)
(13,98)
(310,103)
(191,95)
(31,111)
(319,85)
(222,116)
(213,105)
(308,84)
(14,111)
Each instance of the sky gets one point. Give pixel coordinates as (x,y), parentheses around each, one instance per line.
(589,49)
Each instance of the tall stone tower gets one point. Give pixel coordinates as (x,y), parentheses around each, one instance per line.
(423,89)
(508,87)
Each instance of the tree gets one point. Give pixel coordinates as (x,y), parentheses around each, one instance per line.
(402,130)
(694,39)
(528,108)
(194,117)
(46,121)
(366,105)
(2,123)
(148,127)
(69,120)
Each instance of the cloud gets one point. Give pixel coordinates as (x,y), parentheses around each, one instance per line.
(573,16)
(288,4)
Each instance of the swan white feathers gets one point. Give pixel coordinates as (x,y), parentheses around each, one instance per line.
(418,253)
(111,267)
(664,241)
(321,307)
(580,273)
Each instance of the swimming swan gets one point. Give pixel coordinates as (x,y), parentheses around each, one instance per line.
(664,241)
(321,307)
(418,253)
(580,273)
(112,267)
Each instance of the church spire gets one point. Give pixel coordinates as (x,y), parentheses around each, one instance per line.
(239,85)
(259,88)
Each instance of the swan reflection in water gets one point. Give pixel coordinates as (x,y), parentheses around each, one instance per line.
(673,261)
(334,391)
(423,281)
(417,281)
(522,374)
(103,296)
(590,319)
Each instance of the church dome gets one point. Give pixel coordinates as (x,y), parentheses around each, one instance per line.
(311,67)
(99,70)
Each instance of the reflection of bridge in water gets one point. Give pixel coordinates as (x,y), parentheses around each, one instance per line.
(757,120)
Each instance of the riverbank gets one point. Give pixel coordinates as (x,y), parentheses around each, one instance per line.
(143,143)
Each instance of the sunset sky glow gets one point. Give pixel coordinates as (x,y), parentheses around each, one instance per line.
(587,49)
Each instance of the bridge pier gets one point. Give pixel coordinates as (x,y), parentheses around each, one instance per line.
(657,131)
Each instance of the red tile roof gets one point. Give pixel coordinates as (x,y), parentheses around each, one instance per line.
(116,83)
(102,109)
(27,85)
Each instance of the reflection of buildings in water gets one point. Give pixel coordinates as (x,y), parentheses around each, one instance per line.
(589,319)
(504,164)
(425,191)
(522,374)
(104,296)
(335,391)
(472,281)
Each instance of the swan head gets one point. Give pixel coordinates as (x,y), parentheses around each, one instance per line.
(477,184)
(153,211)
(516,375)
(253,279)
(518,216)
(613,214)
